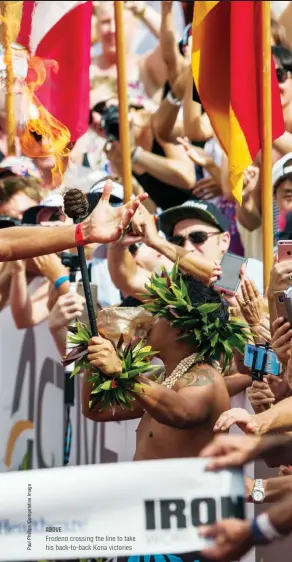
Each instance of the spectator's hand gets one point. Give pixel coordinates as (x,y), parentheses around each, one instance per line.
(249,486)
(206,188)
(260,395)
(103,356)
(68,307)
(50,266)
(226,451)
(216,273)
(233,539)
(106,223)
(198,155)
(289,366)
(236,416)
(137,7)
(281,276)
(143,225)
(285,471)
(249,302)
(250,180)
(281,340)
(113,152)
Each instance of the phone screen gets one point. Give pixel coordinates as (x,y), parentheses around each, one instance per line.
(231,268)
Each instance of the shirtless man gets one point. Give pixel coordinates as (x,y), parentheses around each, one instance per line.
(177,416)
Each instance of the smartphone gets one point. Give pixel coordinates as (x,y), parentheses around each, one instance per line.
(94,292)
(284,250)
(283,304)
(231,273)
(261,359)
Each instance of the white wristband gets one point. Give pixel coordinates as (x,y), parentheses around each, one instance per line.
(137,152)
(267,528)
(172,100)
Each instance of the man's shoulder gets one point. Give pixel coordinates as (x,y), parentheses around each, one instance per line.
(200,375)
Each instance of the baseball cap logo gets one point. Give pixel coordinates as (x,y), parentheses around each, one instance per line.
(196,205)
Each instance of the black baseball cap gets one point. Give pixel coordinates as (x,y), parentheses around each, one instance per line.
(200,210)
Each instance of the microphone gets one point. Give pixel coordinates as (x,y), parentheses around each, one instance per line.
(76,207)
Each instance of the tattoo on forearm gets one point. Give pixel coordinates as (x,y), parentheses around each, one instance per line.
(199,376)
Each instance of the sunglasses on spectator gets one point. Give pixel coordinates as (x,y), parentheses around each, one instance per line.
(199,237)
(282,75)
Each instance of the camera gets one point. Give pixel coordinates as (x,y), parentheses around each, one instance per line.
(110,122)
(71,261)
(261,360)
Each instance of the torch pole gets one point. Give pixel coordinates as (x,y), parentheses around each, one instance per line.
(9,94)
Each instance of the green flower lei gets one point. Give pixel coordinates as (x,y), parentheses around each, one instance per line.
(213,339)
(109,391)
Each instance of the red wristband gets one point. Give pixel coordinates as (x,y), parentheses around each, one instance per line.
(79,235)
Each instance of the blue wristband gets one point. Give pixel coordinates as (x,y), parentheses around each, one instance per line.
(61,280)
(258,536)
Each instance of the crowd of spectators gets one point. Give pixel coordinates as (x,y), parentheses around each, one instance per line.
(190,214)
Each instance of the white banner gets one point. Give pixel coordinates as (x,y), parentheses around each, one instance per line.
(32,407)
(137,508)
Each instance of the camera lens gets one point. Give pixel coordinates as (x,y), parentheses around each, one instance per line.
(281,298)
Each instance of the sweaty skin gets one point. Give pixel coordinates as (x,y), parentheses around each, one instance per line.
(158,441)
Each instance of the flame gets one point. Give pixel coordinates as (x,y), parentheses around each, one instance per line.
(43,135)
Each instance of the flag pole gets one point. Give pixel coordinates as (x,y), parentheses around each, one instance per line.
(123,101)
(266,119)
(9,82)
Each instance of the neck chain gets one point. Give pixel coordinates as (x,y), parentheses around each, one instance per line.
(180,370)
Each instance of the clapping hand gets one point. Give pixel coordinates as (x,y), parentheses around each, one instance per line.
(249,302)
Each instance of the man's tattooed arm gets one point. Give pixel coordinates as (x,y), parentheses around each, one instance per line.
(199,375)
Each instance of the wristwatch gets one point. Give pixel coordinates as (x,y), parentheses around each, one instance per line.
(173,100)
(258,493)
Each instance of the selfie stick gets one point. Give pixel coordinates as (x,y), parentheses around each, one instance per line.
(76,207)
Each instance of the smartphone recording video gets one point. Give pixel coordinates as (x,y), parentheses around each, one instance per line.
(284,250)
(231,273)
(283,304)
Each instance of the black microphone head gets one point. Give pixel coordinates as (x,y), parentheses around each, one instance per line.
(75,204)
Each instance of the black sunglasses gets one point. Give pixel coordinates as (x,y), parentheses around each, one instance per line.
(199,237)
(282,74)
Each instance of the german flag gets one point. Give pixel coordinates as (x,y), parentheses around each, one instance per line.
(226,63)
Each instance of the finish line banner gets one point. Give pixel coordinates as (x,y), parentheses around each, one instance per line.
(112,510)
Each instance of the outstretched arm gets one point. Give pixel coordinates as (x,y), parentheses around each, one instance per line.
(278,418)
(227,451)
(104,225)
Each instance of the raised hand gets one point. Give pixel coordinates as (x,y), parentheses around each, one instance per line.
(197,154)
(106,223)
(250,302)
